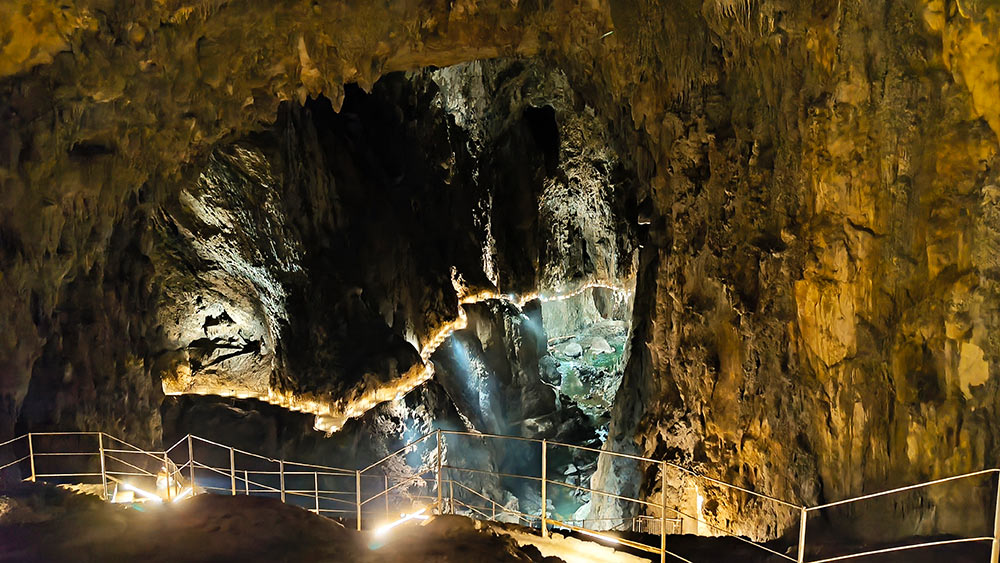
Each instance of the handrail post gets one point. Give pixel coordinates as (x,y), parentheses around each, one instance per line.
(104,473)
(191,462)
(166,468)
(451,495)
(545,531)
(358,484)
(316,489)
(995,551)
(31,457)
(439,507)
(232,470)
(801,556)
(246,481)
(281,478)
(663,512)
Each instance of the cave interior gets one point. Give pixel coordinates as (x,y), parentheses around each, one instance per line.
(735,257)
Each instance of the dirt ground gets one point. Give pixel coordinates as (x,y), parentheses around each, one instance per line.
(44,524)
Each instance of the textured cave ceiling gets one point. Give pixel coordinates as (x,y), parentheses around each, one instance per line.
(815,196)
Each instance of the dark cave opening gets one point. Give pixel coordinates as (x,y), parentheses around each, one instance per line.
(545,130)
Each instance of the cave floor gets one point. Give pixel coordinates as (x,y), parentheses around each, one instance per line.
(40,523)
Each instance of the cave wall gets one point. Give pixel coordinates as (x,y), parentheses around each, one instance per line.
(824,240)
(300,257)
(309,264)
(815,308)
(340,240)
(100,101)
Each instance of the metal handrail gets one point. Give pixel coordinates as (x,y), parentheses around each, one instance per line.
(177,443)
(13,463)
(635,520)
(902,489)
(741,538)
(417,477)
(236,450)
(269,489)
(497,473)
(744,490)
(628,456)
(317,494)
(592,491)
(623,541)
(39,475)
(400,450)
(494,504)
(12,440)
(472,508)
(64,433)
(902,548)
(488,435)
(480,495)
(146,471)
(609,452)
(158,455)
(995,539)
(133,446)
(334,471)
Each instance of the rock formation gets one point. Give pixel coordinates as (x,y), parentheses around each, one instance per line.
(815,199)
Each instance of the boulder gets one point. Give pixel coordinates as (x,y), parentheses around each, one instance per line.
(548,369)
(573,350)
(599,345)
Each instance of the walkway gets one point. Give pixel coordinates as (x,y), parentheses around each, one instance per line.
(389,491)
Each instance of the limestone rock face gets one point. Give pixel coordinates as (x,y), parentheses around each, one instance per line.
(820,265)
(314,266)
(816,294)
(103,107)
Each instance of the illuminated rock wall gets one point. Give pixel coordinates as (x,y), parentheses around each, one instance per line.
(819,267)
(319,265)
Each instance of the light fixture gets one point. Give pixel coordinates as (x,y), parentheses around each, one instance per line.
(598,536)
(419,515)
(146,494)
(183,494)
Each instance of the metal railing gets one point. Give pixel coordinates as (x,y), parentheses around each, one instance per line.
(122,472)
(447,475)
(993,539)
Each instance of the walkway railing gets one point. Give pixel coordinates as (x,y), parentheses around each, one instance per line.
(448,475)
(422,475)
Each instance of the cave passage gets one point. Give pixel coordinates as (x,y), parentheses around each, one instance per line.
(549,368)
(454,249)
